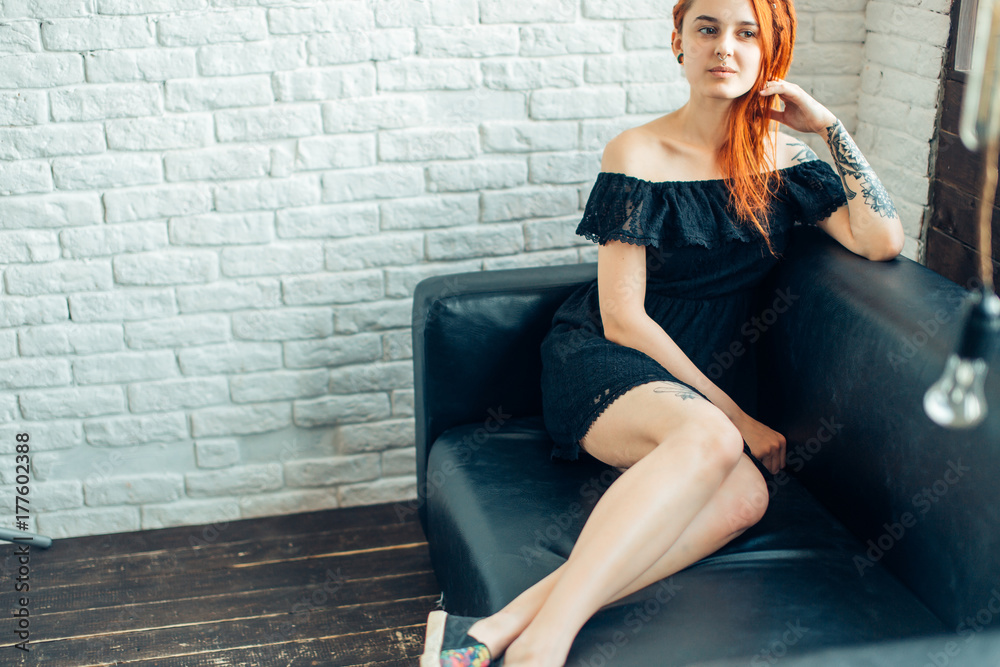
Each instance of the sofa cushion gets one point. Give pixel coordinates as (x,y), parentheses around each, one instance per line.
(502,515)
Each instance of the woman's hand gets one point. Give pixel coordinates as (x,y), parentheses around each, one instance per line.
(765,443)
(802,113)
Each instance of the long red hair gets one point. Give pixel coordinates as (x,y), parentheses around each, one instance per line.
(743,156)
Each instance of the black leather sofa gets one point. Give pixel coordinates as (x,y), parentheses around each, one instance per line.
(881,541)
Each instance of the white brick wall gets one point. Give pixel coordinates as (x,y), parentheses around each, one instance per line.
(212,218)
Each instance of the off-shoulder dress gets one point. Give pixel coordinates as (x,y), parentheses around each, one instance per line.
(702,266)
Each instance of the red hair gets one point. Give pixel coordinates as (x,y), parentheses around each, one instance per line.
(742,157)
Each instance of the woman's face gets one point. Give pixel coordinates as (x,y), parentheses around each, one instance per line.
(714,28)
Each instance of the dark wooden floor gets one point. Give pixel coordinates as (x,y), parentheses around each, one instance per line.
(339,587)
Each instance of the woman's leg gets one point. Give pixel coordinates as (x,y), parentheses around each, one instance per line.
(685,496)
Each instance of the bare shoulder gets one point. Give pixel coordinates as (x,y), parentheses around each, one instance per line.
(627,153)
(793,151)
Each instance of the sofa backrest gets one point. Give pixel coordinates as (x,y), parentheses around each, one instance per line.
(843,372)
(476,348)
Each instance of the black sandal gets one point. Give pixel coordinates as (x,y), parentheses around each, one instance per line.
(448,644)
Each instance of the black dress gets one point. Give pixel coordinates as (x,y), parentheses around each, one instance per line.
(701,270)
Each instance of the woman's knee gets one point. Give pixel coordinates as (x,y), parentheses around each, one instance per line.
(749,498)
(714,437)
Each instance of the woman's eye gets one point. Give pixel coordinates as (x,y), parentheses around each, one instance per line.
(751,33)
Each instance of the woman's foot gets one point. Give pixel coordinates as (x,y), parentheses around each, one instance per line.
(498,631)
(448,643)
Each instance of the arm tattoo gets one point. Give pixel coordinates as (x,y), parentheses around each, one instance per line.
(802,152)
(849,161)
(678,389)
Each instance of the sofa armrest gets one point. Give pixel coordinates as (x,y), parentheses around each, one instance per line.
(476,348)
(843,372)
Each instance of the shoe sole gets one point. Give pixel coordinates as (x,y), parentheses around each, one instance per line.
(434,639)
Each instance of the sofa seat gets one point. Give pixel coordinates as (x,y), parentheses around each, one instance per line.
(790,584)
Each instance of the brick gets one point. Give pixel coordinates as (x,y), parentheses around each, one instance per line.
(40,70)
(139,65)
(217,512)
(526,11)
(392,44)
(547,234)
(328,221)
(289,502)
(20,143)
(893,19)
(528,259)
(333,351)
(230,295)
(402,403)
(211,164)
(280,122)
(564,167)
(475,176)
(269,194)
(72,403)
(108,240)
(374,437)
(629,68)
(398,462)
(273,259)
(107,171)
(26,107)
(524,137)
(218,93)
(616,10)
(343,152)
(19,37)
(375,113)
(472,41)
(371,252)
(915,57)
(229,358)
(528,203)
(97,33)
(315,18)
(122,305)
(25,178)
(376,316)
(177,394)
(533,74)
(650,34)
(377,183)
(80,522)
(349,81)
(24,246)
(223,229)
(158,134)
(577,103)
(182,331)
(148,6)
(58,277)
(417,145)
(171,267)
(135,489)
(324,289)
(278,385)
(124,367)
(47,436)
(388,489)
(231,25)
(64,339)
(430,212)
(8,345)
(276,54)
(557,40)
(332,470)
(436,74)
(475,242)
(333,410)
(156,202)
(286,324)
(241,419)
(244,480)
(346,46)
(398,13)
(8,408)
(217,453)
(378,376)
(25,373)
(101,101)
(136,429)
(60,495)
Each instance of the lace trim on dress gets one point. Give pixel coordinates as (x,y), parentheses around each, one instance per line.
(678,213)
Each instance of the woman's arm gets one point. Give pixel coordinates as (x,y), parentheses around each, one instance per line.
(869,225)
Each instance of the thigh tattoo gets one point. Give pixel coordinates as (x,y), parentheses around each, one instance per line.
(677,389)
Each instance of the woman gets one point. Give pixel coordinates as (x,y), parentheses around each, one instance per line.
(690,211)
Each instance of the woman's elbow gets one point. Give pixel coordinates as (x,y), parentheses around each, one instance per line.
(888,246)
